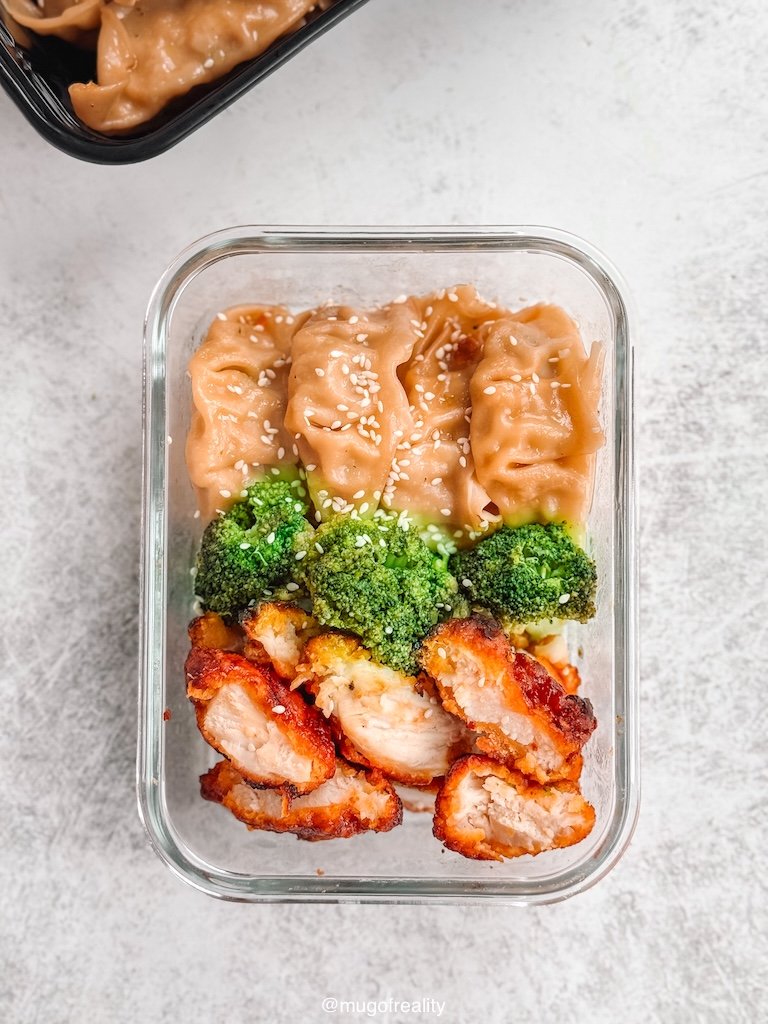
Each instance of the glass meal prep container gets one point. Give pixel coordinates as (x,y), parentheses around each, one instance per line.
(36,72)
(299,268)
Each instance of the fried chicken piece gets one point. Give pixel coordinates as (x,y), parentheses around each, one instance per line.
(350,802)
(266,730)
(210,630)
(385,720)
(522,714)
(487,812)
(276,633)
(552,652)
(566,674)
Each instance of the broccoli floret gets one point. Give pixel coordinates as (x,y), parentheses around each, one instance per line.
(253,546)
(528,573)
(377,579)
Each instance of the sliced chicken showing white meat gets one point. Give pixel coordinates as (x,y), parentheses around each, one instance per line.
(487,812)
(384,719)
(521,713)
(350,802)
(267,731)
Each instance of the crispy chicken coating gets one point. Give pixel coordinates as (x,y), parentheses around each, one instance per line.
(386,721)
(210,630)
(266,730)
(552,652)
(276,632)
(486,811)
(522,715)
(350,802)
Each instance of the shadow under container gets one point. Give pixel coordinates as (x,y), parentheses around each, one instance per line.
(300,268)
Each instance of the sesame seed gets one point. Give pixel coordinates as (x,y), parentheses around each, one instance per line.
(399,300)
(221,316)
(445,511)
(441,652)
(466,582)
(428,713)
(354,319)
(197,514)
(280,453)
(437,480)
(388,630)
(278,709)
(292,586)
(300,554)
(271,538)
(490,390)
(359,494)
(564,598)
(225,493)
(535,378)
(453,297)
(554,384)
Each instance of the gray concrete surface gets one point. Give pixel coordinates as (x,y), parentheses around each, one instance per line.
(639,125)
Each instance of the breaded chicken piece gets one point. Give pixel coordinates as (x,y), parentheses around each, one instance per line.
(350,802)
(487,812)
(522,714)
(385,720)
(276,633)
(267,731)
(210,630)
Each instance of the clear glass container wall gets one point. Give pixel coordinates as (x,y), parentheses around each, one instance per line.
(301,268)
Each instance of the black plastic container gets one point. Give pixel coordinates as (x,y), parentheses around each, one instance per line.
(37,73)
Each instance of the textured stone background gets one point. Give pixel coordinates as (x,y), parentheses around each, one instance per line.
(640,125)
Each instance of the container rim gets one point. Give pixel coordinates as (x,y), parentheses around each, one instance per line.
(169,846)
